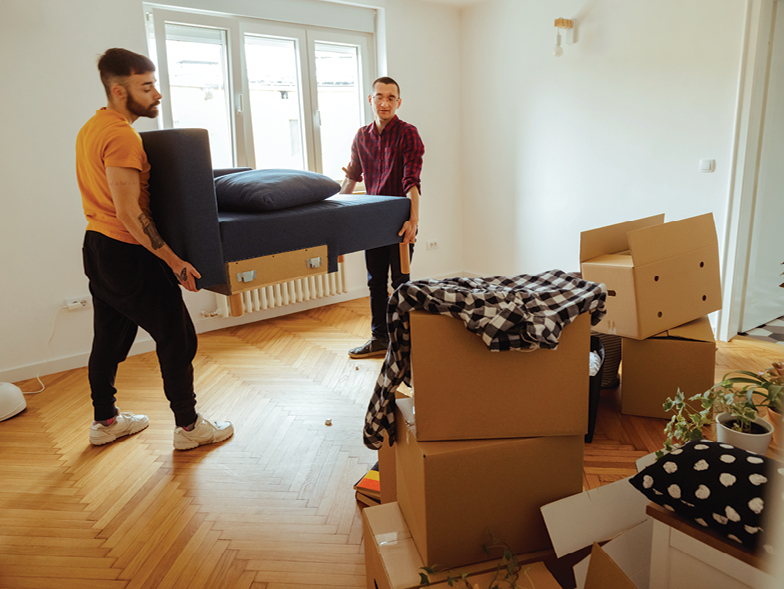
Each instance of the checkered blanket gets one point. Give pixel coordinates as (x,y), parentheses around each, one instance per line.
(519,313)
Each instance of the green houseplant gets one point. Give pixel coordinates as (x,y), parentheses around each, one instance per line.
(740,393)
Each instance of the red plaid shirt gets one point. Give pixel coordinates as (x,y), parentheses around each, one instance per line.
(391,161)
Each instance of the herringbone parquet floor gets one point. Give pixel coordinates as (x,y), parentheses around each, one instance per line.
(272,508)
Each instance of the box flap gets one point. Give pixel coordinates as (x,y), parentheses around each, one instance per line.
(621,259)
(666,240)
(631,551)
(699,330)
(593,516)
(387,523)
(604,573)
(645,461)
(398,557)
(612,239)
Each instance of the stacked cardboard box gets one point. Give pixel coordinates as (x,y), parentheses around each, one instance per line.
(487,439)
(662,281)
(392,560)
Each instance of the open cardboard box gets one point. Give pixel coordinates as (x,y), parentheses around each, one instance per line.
(613,515)
(393,562)
(683,357)
(604,573)
(463,391)
(658,275)
(457,495)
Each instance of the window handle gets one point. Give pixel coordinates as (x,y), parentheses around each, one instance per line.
(317,118)
(239,104)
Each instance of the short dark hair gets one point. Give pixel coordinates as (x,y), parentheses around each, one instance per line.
(386,80)
(121,63)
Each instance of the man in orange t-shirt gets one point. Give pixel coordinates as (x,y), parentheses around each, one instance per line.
(134,275)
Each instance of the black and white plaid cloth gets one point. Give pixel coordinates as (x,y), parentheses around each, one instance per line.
(518,313)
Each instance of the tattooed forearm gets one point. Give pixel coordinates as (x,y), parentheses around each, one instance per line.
(156,242)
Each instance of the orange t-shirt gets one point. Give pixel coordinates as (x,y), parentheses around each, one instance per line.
(108,140)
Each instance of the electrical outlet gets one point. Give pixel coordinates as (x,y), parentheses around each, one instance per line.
(432,244)
(83,302)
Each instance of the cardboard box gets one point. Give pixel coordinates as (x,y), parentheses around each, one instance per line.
(463,391)
(614,514)
(386,465)
(682,358)
(386,471)
(603,572)
(596,515)
(630,555)
(658,275)
(392,560)
(458,495)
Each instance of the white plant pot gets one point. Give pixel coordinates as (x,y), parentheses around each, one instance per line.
(757,443)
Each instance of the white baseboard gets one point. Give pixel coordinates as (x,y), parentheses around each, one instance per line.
(144,342)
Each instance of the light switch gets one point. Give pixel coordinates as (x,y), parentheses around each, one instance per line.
(707,165)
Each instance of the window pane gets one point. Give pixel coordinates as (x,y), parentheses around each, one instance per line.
(198,84)
(275,102)
(339,100)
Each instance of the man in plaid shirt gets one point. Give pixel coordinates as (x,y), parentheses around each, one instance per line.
(388,153)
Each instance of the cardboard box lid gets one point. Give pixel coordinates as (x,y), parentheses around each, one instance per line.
(667,240)
(612,239)
(593,516)
(604,573)
(699,330)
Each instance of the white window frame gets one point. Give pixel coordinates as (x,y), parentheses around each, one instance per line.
(239,104)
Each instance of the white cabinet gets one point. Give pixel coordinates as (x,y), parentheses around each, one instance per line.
(684,557)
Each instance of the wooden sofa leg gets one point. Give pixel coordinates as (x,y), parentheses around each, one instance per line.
(236,308)
(405,259)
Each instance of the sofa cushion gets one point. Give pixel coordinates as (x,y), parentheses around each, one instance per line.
(716,486)
(258,191)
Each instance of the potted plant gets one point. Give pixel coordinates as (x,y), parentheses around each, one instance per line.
(767,386)
(735,408)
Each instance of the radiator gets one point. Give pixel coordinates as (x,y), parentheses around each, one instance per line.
(289,293)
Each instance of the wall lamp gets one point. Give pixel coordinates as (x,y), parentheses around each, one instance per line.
(567,26)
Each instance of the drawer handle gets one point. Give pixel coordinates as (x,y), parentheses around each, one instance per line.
(314,262)
(248,276)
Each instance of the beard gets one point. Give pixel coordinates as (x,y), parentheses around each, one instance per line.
(140,111)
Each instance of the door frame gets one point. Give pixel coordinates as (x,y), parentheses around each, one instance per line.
(752,85)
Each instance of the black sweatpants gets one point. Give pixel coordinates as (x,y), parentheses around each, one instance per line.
(380,262)
(132,288)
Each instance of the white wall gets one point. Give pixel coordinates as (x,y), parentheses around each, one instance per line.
(48,54)
(613,130)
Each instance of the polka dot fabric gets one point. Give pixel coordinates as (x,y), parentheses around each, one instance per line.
(717,486)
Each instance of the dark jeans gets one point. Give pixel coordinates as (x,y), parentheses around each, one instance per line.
(380,262)
(132,288)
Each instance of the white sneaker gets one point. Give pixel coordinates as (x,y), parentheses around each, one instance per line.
(205,432)
(124,424)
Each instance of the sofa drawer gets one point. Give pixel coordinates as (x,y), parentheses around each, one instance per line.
(266,270)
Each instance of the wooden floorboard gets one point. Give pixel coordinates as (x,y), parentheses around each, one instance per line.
(272,508)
